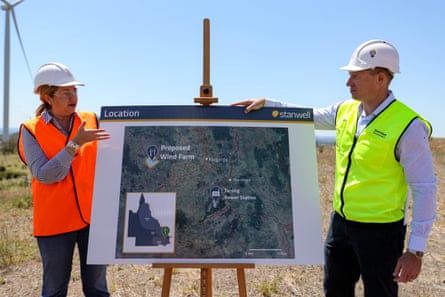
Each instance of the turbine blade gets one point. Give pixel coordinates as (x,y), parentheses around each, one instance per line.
(21,42)
(16,3)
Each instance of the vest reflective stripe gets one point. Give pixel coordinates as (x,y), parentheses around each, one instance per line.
(370,184)
(63,206)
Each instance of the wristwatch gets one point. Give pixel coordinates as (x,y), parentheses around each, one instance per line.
(72,145)
(418,254)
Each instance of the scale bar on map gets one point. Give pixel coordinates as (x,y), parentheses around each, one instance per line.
(265,250)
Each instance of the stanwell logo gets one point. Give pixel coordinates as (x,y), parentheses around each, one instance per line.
(292,115)
(379,133)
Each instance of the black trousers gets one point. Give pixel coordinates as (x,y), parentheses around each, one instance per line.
(366,250)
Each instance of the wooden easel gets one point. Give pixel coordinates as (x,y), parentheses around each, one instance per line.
(206,276)
(205,98)
(206,90)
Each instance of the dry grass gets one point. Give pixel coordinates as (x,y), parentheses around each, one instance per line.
(23,278)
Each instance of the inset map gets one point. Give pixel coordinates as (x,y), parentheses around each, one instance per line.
(150,223)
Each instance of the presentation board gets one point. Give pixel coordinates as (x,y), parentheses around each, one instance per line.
(206,184)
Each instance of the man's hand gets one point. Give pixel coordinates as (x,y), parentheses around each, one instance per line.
(408,268)
(251,104)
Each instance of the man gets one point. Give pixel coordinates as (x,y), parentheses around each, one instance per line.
(382,159)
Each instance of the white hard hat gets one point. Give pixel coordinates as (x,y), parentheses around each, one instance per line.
(372,54)
(54,74)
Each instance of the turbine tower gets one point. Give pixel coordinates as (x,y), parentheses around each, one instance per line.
(9,9)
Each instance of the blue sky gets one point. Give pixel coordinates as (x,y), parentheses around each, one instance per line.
(142,52)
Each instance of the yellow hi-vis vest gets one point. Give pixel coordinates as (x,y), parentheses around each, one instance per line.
(370,183)
(63,206)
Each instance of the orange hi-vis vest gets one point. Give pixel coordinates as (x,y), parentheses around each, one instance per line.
(63,206)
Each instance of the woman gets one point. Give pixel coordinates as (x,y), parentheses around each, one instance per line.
(59,146)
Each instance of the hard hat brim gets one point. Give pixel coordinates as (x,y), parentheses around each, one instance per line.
(353,68)
(68,84)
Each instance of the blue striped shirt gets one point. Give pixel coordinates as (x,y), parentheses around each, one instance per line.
(44,170)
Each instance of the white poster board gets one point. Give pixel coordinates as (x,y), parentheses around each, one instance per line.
(194,184)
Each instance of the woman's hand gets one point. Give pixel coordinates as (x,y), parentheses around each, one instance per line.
(87,135)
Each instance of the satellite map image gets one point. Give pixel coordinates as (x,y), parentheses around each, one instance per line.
(231,192)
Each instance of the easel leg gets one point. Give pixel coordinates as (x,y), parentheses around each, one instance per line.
(241,282)
(167,282)
(206,282)
(206,276)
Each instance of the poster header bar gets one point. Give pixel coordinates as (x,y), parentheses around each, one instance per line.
(176,112)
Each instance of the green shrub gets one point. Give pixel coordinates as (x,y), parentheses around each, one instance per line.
(22,202)
(10,174)
(6,249)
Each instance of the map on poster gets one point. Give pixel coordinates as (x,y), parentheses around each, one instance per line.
(206,185)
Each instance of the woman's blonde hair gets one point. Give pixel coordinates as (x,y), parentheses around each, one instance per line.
(45,90)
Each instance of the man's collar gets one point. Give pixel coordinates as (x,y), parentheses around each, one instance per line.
(382,105)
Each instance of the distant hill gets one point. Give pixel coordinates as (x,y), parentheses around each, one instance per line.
(13,135)
(11,130)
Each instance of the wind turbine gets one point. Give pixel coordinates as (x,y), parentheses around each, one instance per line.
(9,9)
